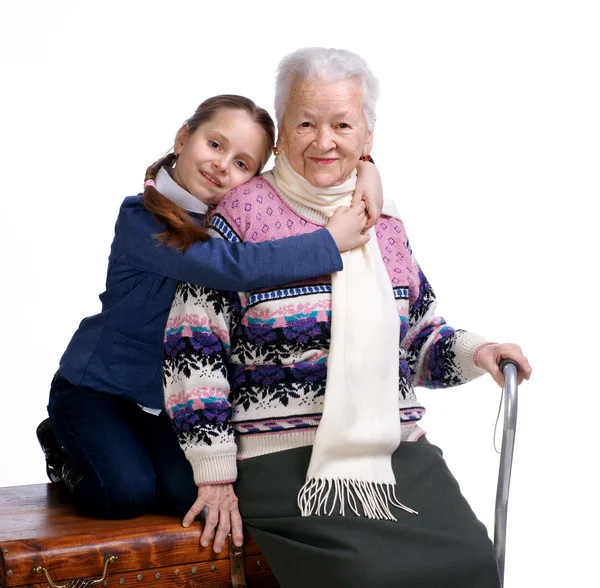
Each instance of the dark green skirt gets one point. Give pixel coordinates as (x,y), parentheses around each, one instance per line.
(443,546)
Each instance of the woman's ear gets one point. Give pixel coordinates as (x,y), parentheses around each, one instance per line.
(368,144)
(182,135)
(278,149)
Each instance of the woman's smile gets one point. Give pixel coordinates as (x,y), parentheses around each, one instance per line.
(323,160)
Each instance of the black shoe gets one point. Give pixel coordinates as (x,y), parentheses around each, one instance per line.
(70,475)
(53,451)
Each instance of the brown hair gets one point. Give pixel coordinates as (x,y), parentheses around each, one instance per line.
(181,230)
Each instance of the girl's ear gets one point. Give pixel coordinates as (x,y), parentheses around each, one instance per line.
(182,135)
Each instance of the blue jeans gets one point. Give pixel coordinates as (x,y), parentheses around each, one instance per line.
(130,460)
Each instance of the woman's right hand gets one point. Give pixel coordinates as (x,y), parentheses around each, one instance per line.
(222,515)
(491,354)
(347,225)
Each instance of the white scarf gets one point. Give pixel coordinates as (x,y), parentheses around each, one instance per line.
(360,426)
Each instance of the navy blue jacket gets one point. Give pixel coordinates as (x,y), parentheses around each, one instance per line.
(119,350)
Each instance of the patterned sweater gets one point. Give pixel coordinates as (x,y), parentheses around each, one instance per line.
(245,372)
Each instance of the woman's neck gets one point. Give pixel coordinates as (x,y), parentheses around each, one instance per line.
(305,211)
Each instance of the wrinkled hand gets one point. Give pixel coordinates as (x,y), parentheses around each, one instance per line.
(222,515)
(490,356)
(370,191)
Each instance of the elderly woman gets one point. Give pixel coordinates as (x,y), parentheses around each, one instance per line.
(298,401)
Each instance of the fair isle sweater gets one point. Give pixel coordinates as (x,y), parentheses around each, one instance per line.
(245,372)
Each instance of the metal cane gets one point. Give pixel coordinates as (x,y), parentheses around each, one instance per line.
(509,369)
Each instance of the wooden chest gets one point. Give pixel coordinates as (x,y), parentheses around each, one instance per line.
(44,543)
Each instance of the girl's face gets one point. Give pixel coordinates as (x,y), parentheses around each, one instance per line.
(221,154)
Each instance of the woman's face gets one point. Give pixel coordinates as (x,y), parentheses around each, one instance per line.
(324,131)
(221,154)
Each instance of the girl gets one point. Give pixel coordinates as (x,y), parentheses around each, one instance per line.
(107,437)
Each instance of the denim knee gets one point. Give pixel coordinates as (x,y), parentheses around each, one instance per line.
(177,500)
(121,499)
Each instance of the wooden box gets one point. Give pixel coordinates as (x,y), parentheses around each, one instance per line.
(45,544)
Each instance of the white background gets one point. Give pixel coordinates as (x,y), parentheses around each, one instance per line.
(488,138)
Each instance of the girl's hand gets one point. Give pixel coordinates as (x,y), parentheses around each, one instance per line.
(222,514)
(489,357)
(369,190)
(347,225)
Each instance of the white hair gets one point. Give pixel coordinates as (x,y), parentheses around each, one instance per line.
(329,65)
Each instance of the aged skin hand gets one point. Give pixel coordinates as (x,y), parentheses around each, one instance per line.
(222,515)
(370,191)
(489,357)
(347,226)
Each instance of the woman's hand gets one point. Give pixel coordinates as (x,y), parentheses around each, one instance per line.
(369,190)
(489,357)
(222,514)
(347,225)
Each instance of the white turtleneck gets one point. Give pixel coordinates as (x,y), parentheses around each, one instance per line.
(168,187)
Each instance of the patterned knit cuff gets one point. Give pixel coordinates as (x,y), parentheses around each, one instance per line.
(476,353)
(212,467)
(466,345)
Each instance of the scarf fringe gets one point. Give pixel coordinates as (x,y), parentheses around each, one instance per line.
(374,499)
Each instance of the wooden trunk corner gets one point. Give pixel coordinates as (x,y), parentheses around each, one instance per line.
(44,543)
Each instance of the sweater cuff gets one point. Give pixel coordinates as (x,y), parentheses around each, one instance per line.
(213,467)
(465,347)
(335,256)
